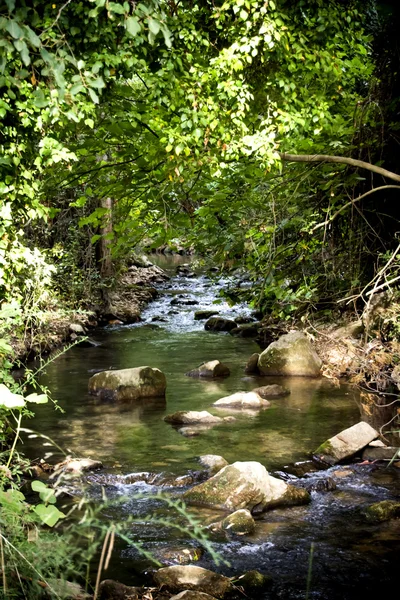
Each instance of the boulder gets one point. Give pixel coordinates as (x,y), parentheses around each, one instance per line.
(291,355)
(190,417)
(325,484)
(190,595)
(128,384)
(245,485)
(243,399)
(202,315)
(213,462)
(77,466)
(346,443)
(383,511)
(271,391)
(219,324)
(251,367)
(77,329)
(247,330)
(211,370)
(381,453)
(191,578)
(242,320)
(253,583)
(113,590)
(351,330)
(240,522)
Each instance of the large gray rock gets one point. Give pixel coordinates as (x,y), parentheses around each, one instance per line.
(291,355)
(240,522)
(210,370)
(245,485)
(219,324)
(188,577)
(189,417)
(128,384)
(243,400)
(346,443)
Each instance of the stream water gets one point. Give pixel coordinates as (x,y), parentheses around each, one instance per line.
(351,558)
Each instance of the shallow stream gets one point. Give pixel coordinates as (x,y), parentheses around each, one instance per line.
(351,558)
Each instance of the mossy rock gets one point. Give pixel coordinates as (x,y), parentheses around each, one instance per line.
(383,511)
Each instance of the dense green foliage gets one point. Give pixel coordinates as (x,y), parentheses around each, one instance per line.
(177,114)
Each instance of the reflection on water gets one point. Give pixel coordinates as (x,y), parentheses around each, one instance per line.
(134,438)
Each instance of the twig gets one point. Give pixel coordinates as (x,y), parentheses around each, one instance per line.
(101,562)
(382,187)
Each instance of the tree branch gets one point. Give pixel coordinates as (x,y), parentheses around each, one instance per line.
(382,187)
(339,159)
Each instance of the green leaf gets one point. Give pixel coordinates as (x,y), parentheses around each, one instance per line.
(133,26)
(10,5)
(49,515)
(5,348)
(38,486)
(14,29)
(116,8)
(93,96)
(154,26)
(37,398)
(32,37)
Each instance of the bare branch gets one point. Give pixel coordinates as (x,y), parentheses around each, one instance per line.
(339,159)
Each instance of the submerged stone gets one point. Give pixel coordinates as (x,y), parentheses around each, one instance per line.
(219,324)
(291,355)
(240,522)
(128,384)
(189,417)
(211,370)
(253,583)
(346,443)
(243,399)
(245,485)
(191,578)
(202,315)
(271,391)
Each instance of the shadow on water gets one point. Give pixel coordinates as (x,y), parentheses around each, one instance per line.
(352,558)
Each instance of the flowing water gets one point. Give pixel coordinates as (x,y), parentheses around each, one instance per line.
(351,558)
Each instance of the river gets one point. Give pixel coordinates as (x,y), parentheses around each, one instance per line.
(352,559)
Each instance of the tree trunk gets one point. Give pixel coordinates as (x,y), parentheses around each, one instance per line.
(106,266)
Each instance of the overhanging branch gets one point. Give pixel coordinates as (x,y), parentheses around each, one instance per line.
(339,159)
